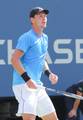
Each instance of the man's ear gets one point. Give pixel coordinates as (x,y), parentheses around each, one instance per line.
(32,19)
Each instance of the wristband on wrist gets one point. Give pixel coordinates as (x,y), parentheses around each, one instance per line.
(25,77)
(47,73)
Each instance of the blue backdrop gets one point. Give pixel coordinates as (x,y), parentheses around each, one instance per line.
(65,32)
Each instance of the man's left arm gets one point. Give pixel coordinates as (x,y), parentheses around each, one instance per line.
(52,77)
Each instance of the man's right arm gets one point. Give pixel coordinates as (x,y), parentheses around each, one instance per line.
(16,63)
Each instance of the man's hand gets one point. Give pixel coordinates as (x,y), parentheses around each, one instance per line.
(53,78)
(31,84)
(72,113)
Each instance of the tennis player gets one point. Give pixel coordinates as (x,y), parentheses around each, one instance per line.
(29,62)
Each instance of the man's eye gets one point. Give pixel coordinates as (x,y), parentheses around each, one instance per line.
(40,15)
(43,16)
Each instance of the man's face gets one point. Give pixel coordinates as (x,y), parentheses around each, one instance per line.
(40,20)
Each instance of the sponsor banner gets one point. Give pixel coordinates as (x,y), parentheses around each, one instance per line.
(65,33)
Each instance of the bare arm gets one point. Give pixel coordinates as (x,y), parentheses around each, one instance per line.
(46,67)
(52,77)
(76,104)
(16,63)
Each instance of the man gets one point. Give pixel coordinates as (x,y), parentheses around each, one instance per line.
(29,62)
(74,105)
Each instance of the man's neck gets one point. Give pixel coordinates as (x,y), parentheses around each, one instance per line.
(39,31)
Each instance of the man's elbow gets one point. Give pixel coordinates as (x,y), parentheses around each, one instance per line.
(13,59)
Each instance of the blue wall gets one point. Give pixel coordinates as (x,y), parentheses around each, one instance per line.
(65,32)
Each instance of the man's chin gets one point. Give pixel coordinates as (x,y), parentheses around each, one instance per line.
(44,27)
